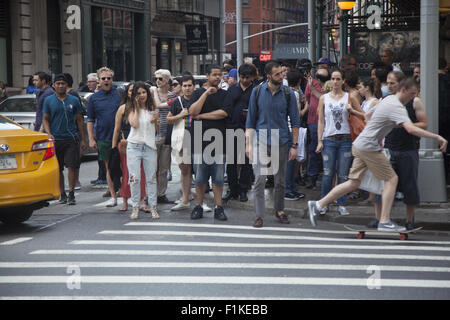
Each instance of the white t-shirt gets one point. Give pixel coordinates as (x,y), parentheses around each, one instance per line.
(335,116)
(145,132)
(386,115)
(366,104)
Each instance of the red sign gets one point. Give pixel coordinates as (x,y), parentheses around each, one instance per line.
(265,55)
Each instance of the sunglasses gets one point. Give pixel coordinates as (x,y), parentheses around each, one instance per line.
(106,78)
(175,84)
(160,79)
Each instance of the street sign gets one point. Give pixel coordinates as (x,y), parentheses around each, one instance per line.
(196,39)
(265,55)
(291,51)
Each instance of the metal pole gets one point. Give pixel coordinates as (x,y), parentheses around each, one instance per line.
(239,34)
(270,30)
(319,10)
(312,31)
(431,164)
(343,34)
(222,30)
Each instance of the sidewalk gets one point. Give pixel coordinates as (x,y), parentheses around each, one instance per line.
(430,216)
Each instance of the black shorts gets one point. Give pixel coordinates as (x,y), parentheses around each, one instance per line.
(406,166)
(68,153)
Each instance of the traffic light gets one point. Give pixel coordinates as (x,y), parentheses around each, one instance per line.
(332,35)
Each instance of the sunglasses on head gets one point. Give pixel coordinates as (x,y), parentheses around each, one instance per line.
(106,78)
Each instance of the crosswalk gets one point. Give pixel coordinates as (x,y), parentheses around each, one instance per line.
(155,260)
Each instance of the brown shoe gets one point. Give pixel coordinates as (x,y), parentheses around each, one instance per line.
(258,223)
(282,217)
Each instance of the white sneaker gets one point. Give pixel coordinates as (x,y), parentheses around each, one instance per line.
(180,206)
(134,213)
(390,226)
(206,208)
(343,211)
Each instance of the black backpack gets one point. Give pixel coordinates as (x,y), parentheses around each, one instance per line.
(287,94)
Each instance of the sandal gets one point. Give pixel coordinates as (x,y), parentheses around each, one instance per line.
(145,209)
(155,214)
(258,223)
(282,217)
(123,209)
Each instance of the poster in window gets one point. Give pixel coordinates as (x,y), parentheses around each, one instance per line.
(368,46)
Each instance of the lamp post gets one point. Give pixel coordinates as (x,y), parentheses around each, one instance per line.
(345,6)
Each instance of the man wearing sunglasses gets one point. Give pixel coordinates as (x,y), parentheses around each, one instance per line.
(102,108)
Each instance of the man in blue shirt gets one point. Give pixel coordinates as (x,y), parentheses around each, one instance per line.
(41,81)
(63,121)
(269,140)
(102,107)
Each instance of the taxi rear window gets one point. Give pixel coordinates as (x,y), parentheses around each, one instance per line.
(19,105)
(6,124)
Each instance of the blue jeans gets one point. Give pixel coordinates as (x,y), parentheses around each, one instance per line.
(137,153)
(290,176)
(337,158)
(312,169)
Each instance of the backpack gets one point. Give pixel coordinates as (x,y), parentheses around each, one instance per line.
(287,94)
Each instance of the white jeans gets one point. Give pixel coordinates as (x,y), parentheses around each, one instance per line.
(137,153)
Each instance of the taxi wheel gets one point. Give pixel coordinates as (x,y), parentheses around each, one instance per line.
(16,215)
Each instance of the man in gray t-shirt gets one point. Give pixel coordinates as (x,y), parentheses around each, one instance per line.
(389,113)
(385,116)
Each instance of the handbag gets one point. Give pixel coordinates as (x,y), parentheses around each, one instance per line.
(123,145)
(355,123)
(178,132)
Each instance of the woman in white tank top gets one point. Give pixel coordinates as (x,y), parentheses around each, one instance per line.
(142,147)
(371,91)
(333,131)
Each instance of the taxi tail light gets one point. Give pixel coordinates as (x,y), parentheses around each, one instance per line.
(47,145)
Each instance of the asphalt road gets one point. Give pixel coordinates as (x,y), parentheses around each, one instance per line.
(88,251)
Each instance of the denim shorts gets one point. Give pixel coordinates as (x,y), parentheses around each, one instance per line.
(203,171)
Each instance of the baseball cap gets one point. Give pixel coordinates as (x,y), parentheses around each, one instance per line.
(232,73)
(325,61)
(60,77)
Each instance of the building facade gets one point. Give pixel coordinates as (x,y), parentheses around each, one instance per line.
(132,37)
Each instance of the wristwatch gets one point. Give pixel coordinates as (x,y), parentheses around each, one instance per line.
(294,145)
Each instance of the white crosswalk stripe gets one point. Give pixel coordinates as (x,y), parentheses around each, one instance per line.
(183,254)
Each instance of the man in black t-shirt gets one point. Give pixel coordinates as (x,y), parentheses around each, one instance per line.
(210,108)
(240,94)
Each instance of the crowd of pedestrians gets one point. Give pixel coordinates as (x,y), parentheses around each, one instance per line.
(291,127)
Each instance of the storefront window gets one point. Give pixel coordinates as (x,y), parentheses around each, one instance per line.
(118,43)
(165,55)
(179,57)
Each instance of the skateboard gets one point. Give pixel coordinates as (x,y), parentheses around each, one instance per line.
(362,232)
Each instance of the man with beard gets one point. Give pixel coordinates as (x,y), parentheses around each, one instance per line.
(364,51)
(268,135)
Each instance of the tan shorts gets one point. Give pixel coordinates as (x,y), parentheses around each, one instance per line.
(375,161)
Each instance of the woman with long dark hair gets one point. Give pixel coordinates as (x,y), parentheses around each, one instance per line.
(121,132)
(333,131)
(141,147)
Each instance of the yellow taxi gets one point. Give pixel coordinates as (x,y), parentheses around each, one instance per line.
(29,172)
